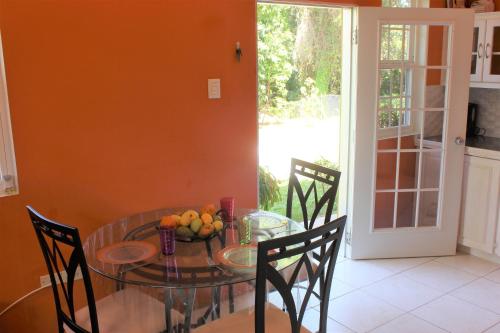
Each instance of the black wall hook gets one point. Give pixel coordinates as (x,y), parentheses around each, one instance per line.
(239,53)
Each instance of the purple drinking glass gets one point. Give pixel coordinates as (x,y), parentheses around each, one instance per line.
(167,240)
(227,207)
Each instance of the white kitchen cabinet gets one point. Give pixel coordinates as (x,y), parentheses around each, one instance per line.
(480,204)
(485,61)
(476,68)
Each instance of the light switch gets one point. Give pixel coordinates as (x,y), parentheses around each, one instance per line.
(213,88)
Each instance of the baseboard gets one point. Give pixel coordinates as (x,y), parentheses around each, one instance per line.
(478,253)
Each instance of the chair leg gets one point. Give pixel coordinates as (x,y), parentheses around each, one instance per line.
(323,316)
(231,298)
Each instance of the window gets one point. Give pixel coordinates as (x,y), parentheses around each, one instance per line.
(395,77)
(8,174)
(397,3)
(405,3)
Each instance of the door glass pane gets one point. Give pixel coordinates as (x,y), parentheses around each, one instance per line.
(386,171)
(496,39)
(408,170)
(436,46)
(495,52)
(433,127)
(395,40)
(475,37)
(475,42)
(435,90)
(495,64)
(431,169)
(387,143)
(384,210)
(406,209)
(428,210)
(389,118)
(411,106)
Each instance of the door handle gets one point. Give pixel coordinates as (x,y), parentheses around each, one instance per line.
(459,141)
(486,50)
(480,51)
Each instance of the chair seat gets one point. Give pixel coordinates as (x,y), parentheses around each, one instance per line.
(244,322)
(127,310)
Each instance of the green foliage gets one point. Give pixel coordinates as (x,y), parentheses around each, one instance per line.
(319,47)
(299,58)
(269,190)
(396,3)
(276,38)
(326,163)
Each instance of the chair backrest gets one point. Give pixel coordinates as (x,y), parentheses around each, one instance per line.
(329,236)
(56,240)
(322,189)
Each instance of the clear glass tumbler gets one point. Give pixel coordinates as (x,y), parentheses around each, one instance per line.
(245,231)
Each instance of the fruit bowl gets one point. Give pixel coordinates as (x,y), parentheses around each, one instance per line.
(195,238)
(194,226)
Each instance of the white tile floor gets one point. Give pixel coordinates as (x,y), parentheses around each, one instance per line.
(419,295)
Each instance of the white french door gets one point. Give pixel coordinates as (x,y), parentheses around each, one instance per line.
(409,103)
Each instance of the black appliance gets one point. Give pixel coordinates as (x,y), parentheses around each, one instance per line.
(472,129)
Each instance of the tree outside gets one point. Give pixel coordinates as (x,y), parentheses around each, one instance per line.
(299,73)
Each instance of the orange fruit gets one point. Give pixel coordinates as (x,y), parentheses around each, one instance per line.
(206,230)
(169,221)
(206,218)
(208,208)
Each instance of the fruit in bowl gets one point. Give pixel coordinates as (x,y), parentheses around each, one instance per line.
(192,225)
(170,221)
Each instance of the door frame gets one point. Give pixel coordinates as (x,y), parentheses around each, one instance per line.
(346,93)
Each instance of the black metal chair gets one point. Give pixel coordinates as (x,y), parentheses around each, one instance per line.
(266,317)
(56,240)
(328,181)
(327,178)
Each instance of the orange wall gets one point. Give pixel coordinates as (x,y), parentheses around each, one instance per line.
(110,114)
(110,117)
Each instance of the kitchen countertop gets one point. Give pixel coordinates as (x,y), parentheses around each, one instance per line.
(483,142)
(480,146)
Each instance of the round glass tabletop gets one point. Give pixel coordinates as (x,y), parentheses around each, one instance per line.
(128,251)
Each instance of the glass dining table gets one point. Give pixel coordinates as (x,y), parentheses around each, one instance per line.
(132,256)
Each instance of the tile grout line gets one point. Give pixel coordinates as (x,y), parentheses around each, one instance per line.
(432,300)
(338,323)
(402,273)
(458,298)
(497,267)
(374,282)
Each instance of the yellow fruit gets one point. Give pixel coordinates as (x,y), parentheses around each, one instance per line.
(187,217)
(206,218)
(218,225)
(209,209)
(196,225)
(169,221)
(206,230)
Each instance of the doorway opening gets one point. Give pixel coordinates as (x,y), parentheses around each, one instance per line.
(303,96)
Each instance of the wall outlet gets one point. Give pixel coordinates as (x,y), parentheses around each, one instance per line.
(213,88)
(45,279)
